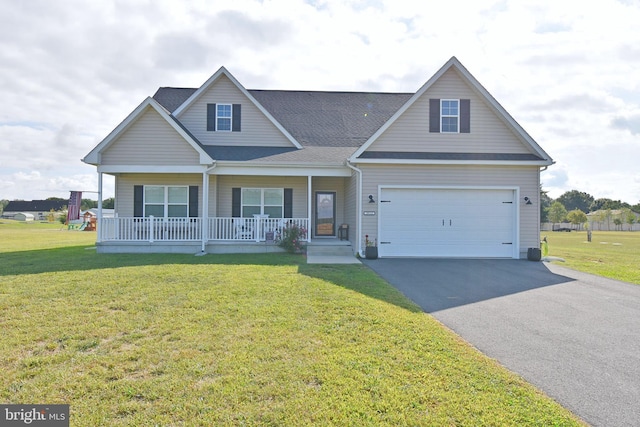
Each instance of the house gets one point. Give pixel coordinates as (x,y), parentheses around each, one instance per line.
(442,172)
(40,209)
(21,216)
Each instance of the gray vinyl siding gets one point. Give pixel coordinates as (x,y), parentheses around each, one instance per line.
(125,182)
(526,178)
(225,183)
(410,132)
(256,128)
(150,141)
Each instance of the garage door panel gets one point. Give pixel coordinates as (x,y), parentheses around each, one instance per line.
(447,222)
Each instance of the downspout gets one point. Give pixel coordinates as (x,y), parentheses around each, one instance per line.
(205,206)
(358,207)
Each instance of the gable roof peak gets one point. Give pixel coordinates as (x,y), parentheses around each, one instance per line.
(214,78)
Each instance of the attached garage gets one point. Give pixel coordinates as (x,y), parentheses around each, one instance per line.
(448,222)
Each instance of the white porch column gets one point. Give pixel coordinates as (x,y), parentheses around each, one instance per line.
(99,219)
(205,208)
(309,198)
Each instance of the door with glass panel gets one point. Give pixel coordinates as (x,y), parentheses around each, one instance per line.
(325,213)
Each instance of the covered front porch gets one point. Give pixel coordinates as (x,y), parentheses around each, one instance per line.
(250,212)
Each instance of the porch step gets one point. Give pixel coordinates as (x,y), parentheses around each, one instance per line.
(329,250)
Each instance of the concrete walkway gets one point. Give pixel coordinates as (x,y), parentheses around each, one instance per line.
(575,336)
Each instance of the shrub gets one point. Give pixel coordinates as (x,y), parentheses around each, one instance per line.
(292,238)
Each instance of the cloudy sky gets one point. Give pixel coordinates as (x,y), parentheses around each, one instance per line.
(71,71)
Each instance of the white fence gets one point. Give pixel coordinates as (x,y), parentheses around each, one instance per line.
(150,229)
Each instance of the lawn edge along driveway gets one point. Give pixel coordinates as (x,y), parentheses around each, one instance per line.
(571,334)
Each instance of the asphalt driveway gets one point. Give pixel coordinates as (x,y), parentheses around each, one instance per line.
(573,335)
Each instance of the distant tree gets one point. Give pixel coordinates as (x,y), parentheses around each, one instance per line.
(575,199)
(629,217)
(109,203)
(607,204)
(577,217)
(3,203)
(618,222)
(88,204)
(57,199)
(557,212)
(635,208)
(545,203)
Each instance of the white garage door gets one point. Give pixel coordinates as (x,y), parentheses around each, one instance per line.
(447,223)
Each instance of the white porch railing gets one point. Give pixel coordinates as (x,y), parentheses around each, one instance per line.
(150,229)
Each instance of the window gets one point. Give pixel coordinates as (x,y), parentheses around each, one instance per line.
(449,115)
(166,201)
(223,117)
(264,201)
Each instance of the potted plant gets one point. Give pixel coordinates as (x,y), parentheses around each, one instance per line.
(370,250)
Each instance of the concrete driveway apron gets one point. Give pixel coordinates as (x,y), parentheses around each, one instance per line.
(573,335)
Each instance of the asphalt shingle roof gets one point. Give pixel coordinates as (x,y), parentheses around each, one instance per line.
(323,119)
(34,205)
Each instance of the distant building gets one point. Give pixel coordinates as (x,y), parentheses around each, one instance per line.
(21,216)
(606,220)
(40,209)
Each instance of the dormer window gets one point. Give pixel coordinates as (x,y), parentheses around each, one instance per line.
(224,117)
(449,115)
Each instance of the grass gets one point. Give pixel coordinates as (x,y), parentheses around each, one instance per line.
(234,340)
(613,254)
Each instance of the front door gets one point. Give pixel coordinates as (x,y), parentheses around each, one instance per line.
(325,213)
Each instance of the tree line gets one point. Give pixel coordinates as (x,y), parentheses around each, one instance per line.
(85,203)
(573,206)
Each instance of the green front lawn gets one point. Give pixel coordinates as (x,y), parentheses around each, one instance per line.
(234,340)
(613,254)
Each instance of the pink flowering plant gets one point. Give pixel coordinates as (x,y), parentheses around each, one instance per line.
(292,238)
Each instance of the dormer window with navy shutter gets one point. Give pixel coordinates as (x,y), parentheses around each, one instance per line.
(450,115)
(224,117)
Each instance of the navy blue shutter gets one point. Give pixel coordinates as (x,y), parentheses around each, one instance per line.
(236,200)
(434,115)
(138,200)
(237,118)
(193,201)
(211,117)
(288,202)
(465,116)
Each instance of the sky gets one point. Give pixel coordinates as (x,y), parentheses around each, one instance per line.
(568,71)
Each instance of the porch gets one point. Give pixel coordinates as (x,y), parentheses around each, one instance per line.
(221,229)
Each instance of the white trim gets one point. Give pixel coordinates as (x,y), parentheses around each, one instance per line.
(279,170)
(223,71)
(453,62)
(309,206)
(454,162)
(515,250)
(205,208)
(94,156)
(99,218)
(111,169)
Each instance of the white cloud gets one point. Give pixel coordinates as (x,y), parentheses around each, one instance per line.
(73,70)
